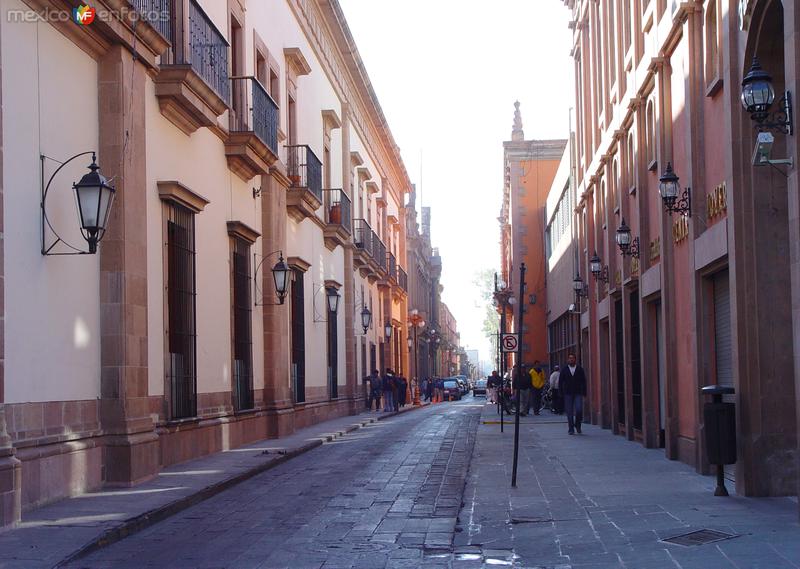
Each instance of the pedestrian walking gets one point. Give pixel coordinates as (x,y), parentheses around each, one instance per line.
(522,382)
(386,386)
(402,386)
(558,404)
(431,389)
(424,389)
(439,390)
(395,390)
(493,383)
(375,387)
(537,384)
(572,382)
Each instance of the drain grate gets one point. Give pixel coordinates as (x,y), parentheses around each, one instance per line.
(699,537)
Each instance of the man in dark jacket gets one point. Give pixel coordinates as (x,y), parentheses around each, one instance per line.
(522,381)
(375,386)
(572,384)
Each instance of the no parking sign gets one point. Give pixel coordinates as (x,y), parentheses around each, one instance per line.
(509,342)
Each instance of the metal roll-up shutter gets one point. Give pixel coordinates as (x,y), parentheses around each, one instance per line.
(722,329)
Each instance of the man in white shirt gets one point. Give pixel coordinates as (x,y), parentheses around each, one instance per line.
(555,395)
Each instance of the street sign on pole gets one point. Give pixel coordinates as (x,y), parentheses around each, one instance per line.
(509,343)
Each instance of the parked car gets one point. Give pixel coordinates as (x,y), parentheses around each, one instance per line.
(462,385)
(452,390)
(480,388)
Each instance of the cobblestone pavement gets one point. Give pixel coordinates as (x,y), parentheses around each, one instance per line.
(432,489)
(387,495)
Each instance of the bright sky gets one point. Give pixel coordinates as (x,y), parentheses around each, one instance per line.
(447,73)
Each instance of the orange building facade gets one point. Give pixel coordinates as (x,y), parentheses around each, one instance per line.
(530,166)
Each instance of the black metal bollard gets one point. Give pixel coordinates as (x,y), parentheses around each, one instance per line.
(719,421)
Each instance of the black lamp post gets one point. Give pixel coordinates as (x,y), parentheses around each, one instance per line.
(758,95)
(627,246)
(670,188)
(366,318)
(598,269)
(333,299)
(280,275)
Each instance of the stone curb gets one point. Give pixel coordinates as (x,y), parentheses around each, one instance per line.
(146,519)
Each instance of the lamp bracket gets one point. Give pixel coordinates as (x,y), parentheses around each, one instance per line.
(602,276)
(777,121)
(632,250)
(257,192)
(682,205)
(50,243)
(259,293)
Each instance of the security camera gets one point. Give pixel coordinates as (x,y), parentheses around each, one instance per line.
(572,307)
(763,149)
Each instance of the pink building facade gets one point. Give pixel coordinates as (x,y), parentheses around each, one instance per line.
(710,295)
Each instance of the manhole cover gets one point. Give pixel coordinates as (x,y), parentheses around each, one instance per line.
(699,537)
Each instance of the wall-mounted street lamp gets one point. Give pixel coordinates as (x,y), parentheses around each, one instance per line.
(627,246)
(332,298)
(581,288)
(598,269)
(280,278)
(366,318)
(387,330)
(670,188)
(94,196)
(758,94)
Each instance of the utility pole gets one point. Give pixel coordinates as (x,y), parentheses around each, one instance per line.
(519,372)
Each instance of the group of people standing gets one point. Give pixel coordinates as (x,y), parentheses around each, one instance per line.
(391,388)
(567,390)
(433,389)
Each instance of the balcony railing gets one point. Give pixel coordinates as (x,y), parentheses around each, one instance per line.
(252,109)
(205,48)
(157,13)
(391,262)
(379,252)
(305,169)
(338,209)
(363,235)
(403,279)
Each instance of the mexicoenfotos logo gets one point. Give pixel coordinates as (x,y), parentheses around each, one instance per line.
(84,15)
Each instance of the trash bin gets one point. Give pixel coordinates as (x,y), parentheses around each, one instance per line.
(719,425)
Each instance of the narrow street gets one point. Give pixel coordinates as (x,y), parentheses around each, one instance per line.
(431,488)
(391,490)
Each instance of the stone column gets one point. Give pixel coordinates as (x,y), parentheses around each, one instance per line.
(10,467)
(352,391)
(277,376)
(132,449)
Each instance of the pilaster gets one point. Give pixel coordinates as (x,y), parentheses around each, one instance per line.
(132,451)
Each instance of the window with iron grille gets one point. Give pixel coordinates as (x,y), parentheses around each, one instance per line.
(242,327)
(333,354)
(298,338)
(181,310)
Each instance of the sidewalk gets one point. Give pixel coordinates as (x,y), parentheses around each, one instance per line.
(598,501)
(62,530)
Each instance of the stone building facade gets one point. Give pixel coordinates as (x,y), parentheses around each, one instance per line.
(712,294)
(238,134)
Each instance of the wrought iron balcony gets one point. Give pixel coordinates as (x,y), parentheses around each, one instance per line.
(391,263)
(252,143)
(253,110)
(192,84)
(362,235)
(337,209)
(403,279)
(157,13)
(379,253)
(206,49)
(304,169)
(338,221)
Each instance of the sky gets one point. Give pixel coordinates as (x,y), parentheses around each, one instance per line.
(447,73)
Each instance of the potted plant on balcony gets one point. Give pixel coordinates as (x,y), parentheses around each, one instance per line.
(336,214)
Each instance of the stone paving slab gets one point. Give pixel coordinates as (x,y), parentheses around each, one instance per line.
(56,532)
(598,501)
